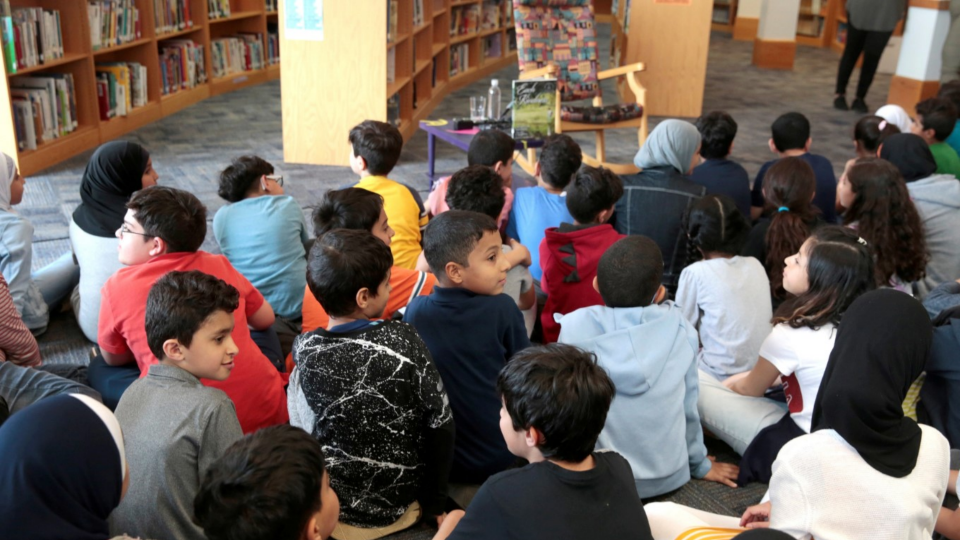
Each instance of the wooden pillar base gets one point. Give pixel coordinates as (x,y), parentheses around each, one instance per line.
(908,92)
(745,28)
(774,54)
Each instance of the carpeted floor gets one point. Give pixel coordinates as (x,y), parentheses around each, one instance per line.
(191,147)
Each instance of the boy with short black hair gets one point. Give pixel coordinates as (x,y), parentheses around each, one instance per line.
(791,138)
(471,330)
(555,400)
(537,208)
(569,254)
(174,427)
(271,485)
(935,121)
(376,149)
(719,174)
(650,350)
(369,392)
(490,147)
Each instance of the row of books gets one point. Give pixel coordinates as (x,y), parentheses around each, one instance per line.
(393,110)
(181,65)
(172,15)
(121,87)
(273,47)
(418,17)
(31,36)
(464,20)
(44,108)
(113,22)
(270,5)
(392,20)
(243,52)
(459,58)
(490,16)
(218,9)
(491,46)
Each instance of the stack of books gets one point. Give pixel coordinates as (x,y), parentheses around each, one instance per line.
(181,65)
(490,16)
(218,9)
(459,58)
(44,108)
(31,36)
(464,20)
(243,52)
(172,15)
(113,22)
(121,87)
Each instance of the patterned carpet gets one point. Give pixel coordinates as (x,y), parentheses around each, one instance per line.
(191,147)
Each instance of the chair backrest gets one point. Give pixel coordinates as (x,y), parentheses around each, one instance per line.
(561,32)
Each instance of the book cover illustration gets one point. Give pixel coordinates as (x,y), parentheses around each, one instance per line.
(534,108)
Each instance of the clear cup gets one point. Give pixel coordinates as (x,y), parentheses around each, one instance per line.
(478,108)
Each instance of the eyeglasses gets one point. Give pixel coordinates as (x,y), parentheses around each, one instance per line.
(278,178)
(124,230)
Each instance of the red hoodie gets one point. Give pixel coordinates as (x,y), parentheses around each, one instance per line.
(569,256)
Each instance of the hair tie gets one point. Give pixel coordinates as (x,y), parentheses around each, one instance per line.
(783,209)
(883,124)
(861,240)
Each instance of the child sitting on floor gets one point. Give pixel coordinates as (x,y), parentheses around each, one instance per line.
(271,485)
(650,351)
(935,121)
(554,400)
(376,150)
(369,392)
(716,171)
(726,297)
(472,330)
(174,427)
(569,254)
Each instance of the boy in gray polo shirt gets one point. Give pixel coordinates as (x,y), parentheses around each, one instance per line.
(174,427)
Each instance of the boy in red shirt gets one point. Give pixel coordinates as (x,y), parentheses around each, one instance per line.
(161,232)
(569,254)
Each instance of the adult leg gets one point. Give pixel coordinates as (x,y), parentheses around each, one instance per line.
(111,381)
(669,520)
(733,418)
(287,330)
(856,39)
(57,279)
(23,386)
(950,68)
(874,45)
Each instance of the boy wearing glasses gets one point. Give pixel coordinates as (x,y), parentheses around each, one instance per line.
(162,232)
(263,233)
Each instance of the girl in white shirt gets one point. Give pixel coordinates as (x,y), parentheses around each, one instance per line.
(832,268)
(724,296)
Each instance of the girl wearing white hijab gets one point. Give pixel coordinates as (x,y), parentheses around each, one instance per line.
(897,116)
(32,293)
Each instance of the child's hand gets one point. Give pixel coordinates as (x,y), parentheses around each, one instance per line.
(756,517)
(521,251)
(722,473)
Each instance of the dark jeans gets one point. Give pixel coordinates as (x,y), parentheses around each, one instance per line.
(871,44)
(23,386)
(269,344)
(111,381)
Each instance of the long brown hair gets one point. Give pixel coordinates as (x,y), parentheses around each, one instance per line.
(788,189)
(887,219)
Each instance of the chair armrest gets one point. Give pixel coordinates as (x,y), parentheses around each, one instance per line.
(620,71)
(549,69)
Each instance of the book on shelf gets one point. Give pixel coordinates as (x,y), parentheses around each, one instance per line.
(113,22)
(418,17)
(459,58)
(490,15)
(32,37)
(243,52)
(391,65)
(721,14)
(464,20)
(511,39)
(433,76)
(7,37)
(392,20)
(492,47)
(273,44)
(270,5)
(181,65)
(393,110)
(534,108)
(121,87)
(218,9)
(172,15)
(45,108)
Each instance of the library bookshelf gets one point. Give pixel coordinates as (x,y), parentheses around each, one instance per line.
(80,59)
(363,69)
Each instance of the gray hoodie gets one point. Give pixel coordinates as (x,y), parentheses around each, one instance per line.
(937,199)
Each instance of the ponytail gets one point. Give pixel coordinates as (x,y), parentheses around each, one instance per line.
(788,187)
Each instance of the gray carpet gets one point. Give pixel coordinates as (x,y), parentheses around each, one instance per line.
(191,147)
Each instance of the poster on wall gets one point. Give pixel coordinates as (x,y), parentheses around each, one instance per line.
(303,20)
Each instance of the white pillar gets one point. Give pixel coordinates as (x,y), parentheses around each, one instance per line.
(918,69)
(747,21)
(776,44)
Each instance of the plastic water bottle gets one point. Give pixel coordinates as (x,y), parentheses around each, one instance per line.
(493,100)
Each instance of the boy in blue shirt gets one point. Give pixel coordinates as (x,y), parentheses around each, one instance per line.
(650,351)
(717,173)
(471,330)
(791,137)
(537,208)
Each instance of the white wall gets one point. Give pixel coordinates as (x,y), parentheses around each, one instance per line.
(778,20)
(922,46)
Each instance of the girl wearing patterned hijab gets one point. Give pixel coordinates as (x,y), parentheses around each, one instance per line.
(32,293)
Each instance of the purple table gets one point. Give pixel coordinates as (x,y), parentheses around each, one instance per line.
(442,129)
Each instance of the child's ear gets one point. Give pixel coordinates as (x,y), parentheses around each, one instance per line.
(312,532)
(596,284)
(773,147)
(158,247)
(806,147)
(533,437)
(454,272)
(661,295)
(605,215)
(536,169)
(879,149)
(363,298)
(173,350)
(730,151)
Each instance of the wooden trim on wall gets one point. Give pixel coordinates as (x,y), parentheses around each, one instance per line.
(939,5)
(774,54)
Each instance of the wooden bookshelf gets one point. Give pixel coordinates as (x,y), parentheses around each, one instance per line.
(344,78)
(724,15)
(80,58)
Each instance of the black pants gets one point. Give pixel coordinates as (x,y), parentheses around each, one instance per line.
(871,44)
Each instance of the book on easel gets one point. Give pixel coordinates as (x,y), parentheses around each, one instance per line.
(534,108)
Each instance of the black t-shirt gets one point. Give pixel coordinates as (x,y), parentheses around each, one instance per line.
(545,501)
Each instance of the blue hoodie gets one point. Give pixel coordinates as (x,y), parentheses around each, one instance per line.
(651,355)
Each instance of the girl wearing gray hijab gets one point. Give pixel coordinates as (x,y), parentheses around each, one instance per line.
(656,199)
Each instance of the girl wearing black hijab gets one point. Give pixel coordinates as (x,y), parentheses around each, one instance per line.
(116,170)
(937,199)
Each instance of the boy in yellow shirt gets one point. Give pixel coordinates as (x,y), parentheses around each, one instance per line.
(376,149)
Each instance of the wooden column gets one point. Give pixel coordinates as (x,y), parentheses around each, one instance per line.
(748,20)
(918,69)
(776,43)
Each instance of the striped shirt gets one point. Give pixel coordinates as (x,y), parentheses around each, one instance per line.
(17,344)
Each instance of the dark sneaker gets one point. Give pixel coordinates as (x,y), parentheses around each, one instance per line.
(840,102)
(859,106)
